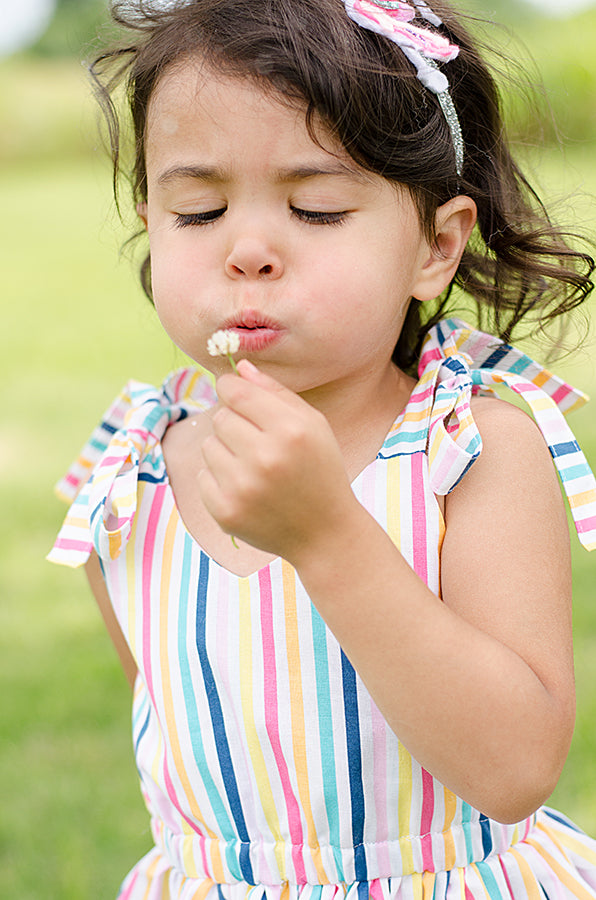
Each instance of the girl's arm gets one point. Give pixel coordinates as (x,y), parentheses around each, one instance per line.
(98,586)
(478,687)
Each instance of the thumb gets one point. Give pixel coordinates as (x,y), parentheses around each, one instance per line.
(249,372)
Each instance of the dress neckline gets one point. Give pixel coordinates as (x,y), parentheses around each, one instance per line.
(275,561)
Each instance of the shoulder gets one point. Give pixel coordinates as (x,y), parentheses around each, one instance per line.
(507,516)
(182,440)
(514,451)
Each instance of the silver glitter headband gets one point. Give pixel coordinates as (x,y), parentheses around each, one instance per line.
(424,49)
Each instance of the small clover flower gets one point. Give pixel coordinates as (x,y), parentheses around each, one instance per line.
(224,343)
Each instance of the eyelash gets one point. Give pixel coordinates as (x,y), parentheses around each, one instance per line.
(314,217)
(183,220)
(310,217)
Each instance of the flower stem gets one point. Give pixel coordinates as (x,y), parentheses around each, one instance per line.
(235,370)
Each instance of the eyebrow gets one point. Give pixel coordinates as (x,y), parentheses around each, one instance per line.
(215,175)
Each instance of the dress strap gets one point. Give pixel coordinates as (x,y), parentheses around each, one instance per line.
(460,362)
(103,480)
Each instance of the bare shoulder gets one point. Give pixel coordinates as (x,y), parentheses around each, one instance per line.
(513,482)
(182,437)
(508,429)
(515,457)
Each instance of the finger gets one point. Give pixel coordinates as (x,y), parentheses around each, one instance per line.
(211,494)
(235,431)
(258,397)
(218,458)
(250,372)
(228,487)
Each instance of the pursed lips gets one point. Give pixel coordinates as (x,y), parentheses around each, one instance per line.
(255,330)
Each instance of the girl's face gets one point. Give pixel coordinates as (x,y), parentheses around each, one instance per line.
(256,228)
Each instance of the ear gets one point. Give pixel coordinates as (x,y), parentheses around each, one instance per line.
(142,212)
(454,222)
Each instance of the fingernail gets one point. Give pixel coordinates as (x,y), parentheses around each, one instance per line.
(247,365)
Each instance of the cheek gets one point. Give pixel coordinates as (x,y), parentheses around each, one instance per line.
(170,276)
(340,279)
(180,263)
(363,304)
(172,296)
(183,300)
(360,287)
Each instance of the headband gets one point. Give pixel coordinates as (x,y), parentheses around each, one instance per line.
(423,47)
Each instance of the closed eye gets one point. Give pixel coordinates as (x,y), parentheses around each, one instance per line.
(183,220)
(318,217)
(310,216)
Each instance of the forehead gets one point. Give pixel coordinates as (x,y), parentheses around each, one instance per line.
(192,106)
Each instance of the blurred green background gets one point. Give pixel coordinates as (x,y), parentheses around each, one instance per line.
(76,326)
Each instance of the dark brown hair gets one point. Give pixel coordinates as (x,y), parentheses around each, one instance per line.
(517,265)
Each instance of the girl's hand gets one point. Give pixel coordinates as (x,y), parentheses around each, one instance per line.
(274,473)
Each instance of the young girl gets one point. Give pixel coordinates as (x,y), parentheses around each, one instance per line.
(340,580)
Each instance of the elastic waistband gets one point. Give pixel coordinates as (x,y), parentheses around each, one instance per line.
(259,863)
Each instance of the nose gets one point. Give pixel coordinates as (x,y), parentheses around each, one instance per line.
(253,257)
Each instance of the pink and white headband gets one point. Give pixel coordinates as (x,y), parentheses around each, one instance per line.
(424,49)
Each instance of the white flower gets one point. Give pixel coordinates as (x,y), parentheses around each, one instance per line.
(223,343)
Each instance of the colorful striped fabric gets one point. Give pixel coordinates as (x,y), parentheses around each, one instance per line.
(266,767)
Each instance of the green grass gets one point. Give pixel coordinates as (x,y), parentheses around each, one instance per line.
(75,327)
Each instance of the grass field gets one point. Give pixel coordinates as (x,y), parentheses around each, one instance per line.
(75,327)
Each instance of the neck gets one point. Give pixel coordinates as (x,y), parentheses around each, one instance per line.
(361,414)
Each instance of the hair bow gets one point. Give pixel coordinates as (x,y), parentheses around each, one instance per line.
(392,19)
(421,46)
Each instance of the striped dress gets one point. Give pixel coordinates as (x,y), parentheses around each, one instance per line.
(267,769)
